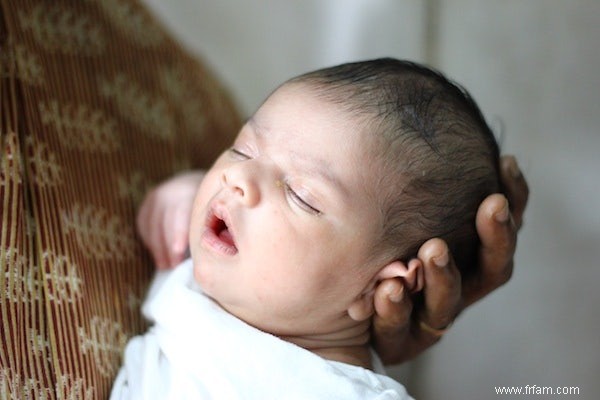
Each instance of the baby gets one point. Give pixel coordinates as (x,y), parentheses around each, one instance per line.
(329,190)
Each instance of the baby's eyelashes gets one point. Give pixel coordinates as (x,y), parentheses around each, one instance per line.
(301,202)
(295,196)
(238,154)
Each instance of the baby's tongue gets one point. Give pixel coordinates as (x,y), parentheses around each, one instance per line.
(225,236)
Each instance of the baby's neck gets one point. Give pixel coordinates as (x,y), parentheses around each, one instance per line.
(349,346)
(356,355)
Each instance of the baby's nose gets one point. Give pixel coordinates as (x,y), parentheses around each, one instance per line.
(241,181)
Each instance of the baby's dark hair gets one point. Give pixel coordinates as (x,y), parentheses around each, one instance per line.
(439,157)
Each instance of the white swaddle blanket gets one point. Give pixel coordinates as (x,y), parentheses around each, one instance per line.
(196,350)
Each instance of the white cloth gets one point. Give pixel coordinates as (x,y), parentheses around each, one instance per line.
(196,350)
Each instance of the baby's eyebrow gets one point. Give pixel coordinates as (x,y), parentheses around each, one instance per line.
(254,127)
(320,168)
(313,165)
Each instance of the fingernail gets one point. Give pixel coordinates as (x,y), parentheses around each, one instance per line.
(396,295)
(442,260)
(502,215)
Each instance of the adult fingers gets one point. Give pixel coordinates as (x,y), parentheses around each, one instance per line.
(392,306)
(442,291)
(516,187)
(391,322)
(498,234)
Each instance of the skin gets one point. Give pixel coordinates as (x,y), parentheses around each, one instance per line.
(397,335)
(294,193)
(163,224)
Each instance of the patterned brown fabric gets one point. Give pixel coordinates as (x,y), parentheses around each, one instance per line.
(97,103)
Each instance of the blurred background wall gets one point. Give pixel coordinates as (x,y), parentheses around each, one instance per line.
(533,66)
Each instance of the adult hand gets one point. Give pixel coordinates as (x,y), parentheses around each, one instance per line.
(164,218)
(401,332)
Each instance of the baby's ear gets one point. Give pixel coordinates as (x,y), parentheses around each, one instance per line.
(362,307)
(411,276)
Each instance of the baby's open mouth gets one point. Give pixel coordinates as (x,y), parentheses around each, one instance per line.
(222,231)
(218,234)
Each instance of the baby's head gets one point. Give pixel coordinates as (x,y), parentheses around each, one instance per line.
(338,177)
(437,157)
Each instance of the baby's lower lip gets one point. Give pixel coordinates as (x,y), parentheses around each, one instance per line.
(220,244)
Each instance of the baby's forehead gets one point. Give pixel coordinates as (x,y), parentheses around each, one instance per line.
(336,128)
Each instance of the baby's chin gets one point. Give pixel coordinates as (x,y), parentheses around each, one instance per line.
(201,274)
